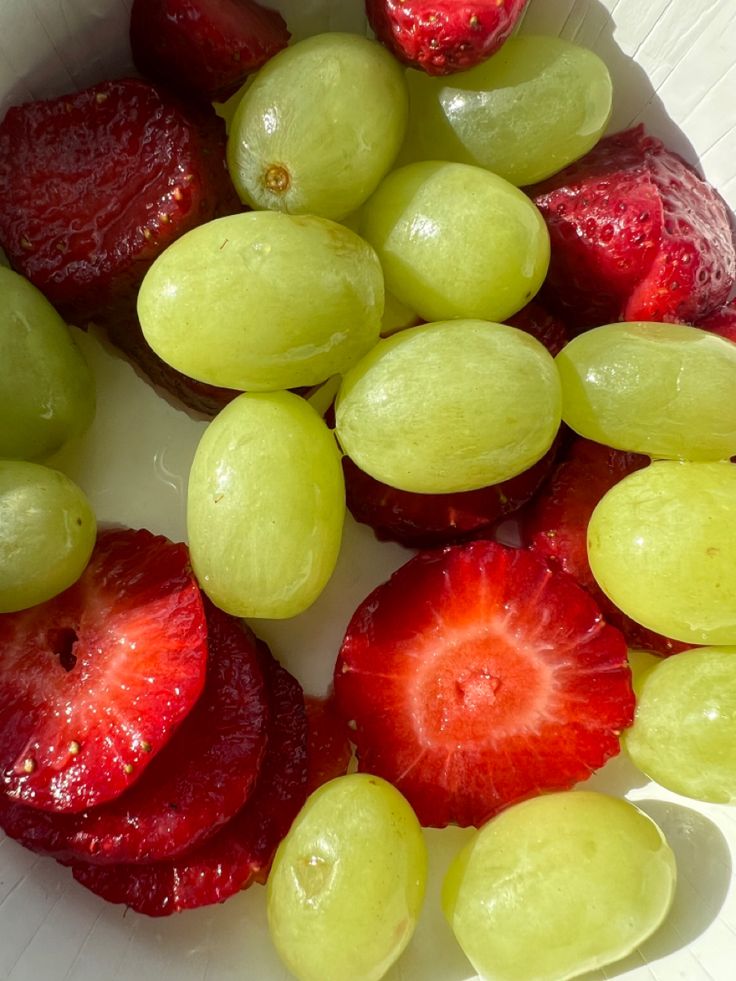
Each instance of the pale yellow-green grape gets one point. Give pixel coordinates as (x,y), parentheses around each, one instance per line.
(319,127)
(396,316)
(661,545)
(642,663)
(450,406)
(266,506)
(684,732)
(263,301)
(456,241)
(557,886)
(347,882)
(47,533)
(47,392)
(535,106)
(666,390)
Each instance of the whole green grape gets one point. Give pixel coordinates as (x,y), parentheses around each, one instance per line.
(661,546)
(450,406)
(47,533)
(684,731)
(557,886)
(47,392)
(456,241)
(263,301)
(528,111)
(666,390)
(347,882)
(266,506)
(319,127)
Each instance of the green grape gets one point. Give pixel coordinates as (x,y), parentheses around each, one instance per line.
(396,316)
(263,301)
(527,112)
(557,886)
(661,546)
(665,390)
(319,127)
(47,392)
(456,241)
(450,406)
(347,882)
(266,506)
(47,533)
(684,732)
(642,663)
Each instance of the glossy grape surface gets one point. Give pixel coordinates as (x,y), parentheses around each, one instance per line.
(47,393)
(348,881)
(661,544)
(263,301)
(47,533)
(456,241)
(450,406)
(266,506)
(319,127)
(557,886)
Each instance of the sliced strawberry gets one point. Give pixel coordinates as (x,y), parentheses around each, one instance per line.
(329,742)
(132,171)
(636,235)
(426,520)
(94,682)
(556,527)
(200,779)
(443,36)
(540,323)
(204,48)
(477,677)
(242,851)
(722,321)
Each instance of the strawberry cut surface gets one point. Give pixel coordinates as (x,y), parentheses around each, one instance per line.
(94,682)
(242,851)
(200,779)
(477,677)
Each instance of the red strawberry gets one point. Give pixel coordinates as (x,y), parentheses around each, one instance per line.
(477,677)
(204,48)
(426,520)
(443,36)
(722,321)
(540,323)
(636,235)
(131,172)
(329,742)
(556,527)
(94,682)
(200,779)
(241,852)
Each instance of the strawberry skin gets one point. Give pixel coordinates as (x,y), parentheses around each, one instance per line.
(636,235)
(94,682)
(549,330)
(204,48)
(328,742)
(198,781)
(242,851)
(443,36)
(722,321)
(477,677)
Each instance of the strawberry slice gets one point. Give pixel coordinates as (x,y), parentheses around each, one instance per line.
(540,323)
(242,851)
(94,682)
(329,742)
(636,234)
(200,779)
(477,677)
(443,36)
(204,48)
(721,321)
(556,527)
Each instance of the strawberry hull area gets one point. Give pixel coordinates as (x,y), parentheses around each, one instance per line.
(670,61)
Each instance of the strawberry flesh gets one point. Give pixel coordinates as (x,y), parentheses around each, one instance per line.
(721,321)
(201,778)
(329,742)
(204,48)
(94,682)
(242,851)
(477,677)
(443,36)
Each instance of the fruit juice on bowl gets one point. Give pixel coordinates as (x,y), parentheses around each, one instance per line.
(671,69)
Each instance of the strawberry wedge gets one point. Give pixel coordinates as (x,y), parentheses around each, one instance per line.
(476,677)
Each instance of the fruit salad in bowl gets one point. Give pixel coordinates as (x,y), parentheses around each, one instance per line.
(367,386)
